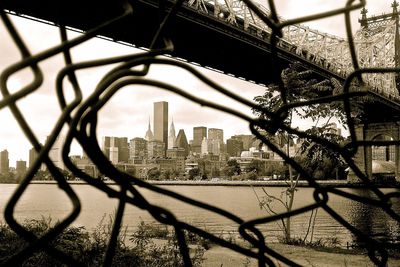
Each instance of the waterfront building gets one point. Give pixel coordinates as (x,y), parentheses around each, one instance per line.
(210,146)
(138,149)
(155,149)
(116,149)
(114,155)
(199,133)
(210,165)
(216,140)
(179,155)
(204,146)
(32,156)
(20,167)
(85,165)
(141,169)
(161,122)
(234,147)
(166,164)
(4,162)
(163,164)
(191,163)
(214,146)
(181,142)
(248,140)
(171,136)
(216,134)
(55,152)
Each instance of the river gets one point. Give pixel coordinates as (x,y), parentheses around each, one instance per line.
(49,201)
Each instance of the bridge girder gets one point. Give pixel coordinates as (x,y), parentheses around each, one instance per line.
(375,45)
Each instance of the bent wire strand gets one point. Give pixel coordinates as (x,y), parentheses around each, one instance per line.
(86,116)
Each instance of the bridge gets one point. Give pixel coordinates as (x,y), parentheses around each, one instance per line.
(229,37)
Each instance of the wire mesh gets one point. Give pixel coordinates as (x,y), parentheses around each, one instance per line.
(81,115)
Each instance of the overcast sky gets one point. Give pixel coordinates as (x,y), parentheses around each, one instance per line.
(127,114)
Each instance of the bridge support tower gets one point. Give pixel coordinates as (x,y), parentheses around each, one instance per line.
(384,131)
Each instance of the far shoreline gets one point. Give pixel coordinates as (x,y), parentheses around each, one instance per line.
(279,183)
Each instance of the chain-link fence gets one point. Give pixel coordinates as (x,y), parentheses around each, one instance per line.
(81,115)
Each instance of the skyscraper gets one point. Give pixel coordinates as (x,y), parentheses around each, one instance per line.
(155,149)
(161,122)
(116,149)
(4,162)
(216,141)
(247,140)
(181,141)
(20,167)
(171,136)
(204,146)
(234,147)
(149,134)
(55,152)
(138,148)
(198,135)
(216,134)
(32,156)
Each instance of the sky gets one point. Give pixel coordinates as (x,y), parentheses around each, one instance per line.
(127,114)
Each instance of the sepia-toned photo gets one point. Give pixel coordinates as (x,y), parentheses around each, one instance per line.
(224,133)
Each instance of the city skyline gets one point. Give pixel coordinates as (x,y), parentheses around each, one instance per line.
(120,115)
(114,149)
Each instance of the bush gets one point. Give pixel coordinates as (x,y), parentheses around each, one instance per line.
(89,248)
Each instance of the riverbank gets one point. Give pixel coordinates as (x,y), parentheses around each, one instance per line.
(274,183)
(304,256)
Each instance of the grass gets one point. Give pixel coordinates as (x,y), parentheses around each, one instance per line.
(89,247)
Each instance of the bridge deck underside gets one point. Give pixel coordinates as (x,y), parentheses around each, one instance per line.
(196,37)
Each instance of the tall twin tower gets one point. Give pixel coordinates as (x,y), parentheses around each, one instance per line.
(170,140)
(161,122)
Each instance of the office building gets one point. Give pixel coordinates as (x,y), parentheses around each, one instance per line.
(179,155)
(210,146)
(204,146)
(32,156)
(116,149)
(161,122)
(149,134)
(4,162)
(181,142)
(155,149)
(137,148)
(248,140)
(216,141)
(55,152)
(234,147)
(171,136)
(199,133)
(216,134)
(20,167)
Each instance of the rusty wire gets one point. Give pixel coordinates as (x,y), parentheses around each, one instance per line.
(80,115)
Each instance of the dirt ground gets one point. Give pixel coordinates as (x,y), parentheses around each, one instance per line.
(222,257)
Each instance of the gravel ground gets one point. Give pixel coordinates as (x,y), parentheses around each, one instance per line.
(222,257)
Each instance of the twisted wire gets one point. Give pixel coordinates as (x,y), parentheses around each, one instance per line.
(81,115)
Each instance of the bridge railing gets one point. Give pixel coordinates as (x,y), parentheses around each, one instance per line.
(374,49)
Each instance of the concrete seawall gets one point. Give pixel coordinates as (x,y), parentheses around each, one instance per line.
(324,183)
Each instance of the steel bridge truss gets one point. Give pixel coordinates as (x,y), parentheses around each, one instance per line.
(375,45)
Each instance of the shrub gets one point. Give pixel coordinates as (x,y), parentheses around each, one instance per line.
(90,248)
